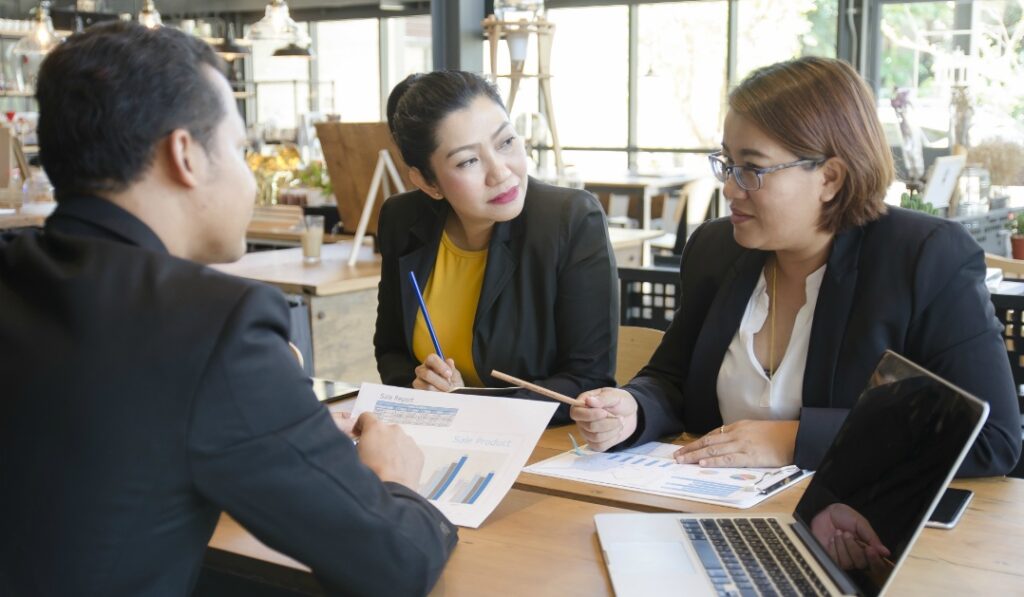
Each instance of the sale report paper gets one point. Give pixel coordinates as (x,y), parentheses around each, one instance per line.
(474,446)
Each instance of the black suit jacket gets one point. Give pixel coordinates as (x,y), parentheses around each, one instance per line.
(907,282)
(548,309)
(144,394)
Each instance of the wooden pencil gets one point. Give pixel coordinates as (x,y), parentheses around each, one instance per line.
(535,388)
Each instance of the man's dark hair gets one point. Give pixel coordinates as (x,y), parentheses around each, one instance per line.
(418,104)
(107,97)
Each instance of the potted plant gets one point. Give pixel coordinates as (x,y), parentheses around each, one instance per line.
(315,180)
(912,200)
(1016,226)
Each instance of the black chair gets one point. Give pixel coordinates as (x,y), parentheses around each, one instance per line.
(648,297)
(1010,311)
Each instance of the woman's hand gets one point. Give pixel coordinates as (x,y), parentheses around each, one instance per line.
(744,443)
(437,376)
(848,538)
(608,418)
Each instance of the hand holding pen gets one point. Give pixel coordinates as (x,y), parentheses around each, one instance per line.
(605,418)
(436,373)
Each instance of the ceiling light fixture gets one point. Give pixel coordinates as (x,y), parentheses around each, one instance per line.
(276,24)
(149,16)
(229,49)
(41,38)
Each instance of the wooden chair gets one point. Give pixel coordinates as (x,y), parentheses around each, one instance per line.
(636,345)
(1012,268)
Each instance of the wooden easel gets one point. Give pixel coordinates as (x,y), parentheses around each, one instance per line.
(11,155)
(384,162)
(361,175)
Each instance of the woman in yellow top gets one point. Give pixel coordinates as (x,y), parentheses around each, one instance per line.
(517,275)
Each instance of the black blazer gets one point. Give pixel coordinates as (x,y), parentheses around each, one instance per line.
(907,282)
(548,309)
(144,394)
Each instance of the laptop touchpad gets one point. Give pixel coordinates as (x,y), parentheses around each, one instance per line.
(661,555)
(651,569)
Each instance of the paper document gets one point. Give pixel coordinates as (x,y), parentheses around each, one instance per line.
(474,446)
(650,468)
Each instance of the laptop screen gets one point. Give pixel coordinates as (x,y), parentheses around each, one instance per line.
(890,461)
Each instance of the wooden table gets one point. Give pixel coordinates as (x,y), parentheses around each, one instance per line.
(343,299)
(531,540)
(644,188)
(631,246)
(537,543)
(342,302)
(20,220)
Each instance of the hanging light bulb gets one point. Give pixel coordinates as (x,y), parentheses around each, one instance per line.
(149,16)
(41,37)
(276,24)
(31,49)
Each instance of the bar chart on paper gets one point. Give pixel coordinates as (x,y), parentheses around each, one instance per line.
(473,446)
(459,476)
(651,468)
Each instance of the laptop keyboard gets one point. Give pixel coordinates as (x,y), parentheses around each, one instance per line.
(751,556)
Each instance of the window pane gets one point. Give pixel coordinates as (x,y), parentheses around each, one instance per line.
(593,165)
(527,98)
(589,65)
(774,30)
(349,69)
(682,63)
(409,49)
(933,48)
(282,85)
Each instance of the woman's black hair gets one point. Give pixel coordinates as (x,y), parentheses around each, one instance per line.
(418,104)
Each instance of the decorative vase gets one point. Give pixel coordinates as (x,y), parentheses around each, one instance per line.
(1017,246)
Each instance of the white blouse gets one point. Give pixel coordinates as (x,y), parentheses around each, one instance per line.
(744,390)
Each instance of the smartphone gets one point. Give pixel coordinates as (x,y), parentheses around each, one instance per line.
(328,391)
(951,507)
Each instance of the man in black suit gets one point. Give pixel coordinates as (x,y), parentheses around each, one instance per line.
(145,393)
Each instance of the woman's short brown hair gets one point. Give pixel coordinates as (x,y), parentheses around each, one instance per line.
(821,108)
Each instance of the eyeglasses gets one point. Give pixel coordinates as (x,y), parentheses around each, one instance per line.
(750,178)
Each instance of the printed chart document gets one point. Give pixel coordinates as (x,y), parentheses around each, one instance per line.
(474,446)
(650,468)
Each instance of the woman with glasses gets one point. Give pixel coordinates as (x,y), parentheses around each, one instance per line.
(788,304)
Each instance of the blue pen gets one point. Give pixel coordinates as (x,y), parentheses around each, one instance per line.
(426,316)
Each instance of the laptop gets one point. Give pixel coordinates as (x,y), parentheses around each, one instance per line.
(884,473)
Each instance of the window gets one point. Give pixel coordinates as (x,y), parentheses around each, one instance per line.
(409,48)
(281,85)
(349,69)
(590,68)
(934,48)
(682,67)
(771,31)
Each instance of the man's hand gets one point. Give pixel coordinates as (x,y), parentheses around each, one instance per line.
(388,451)
(848,538)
